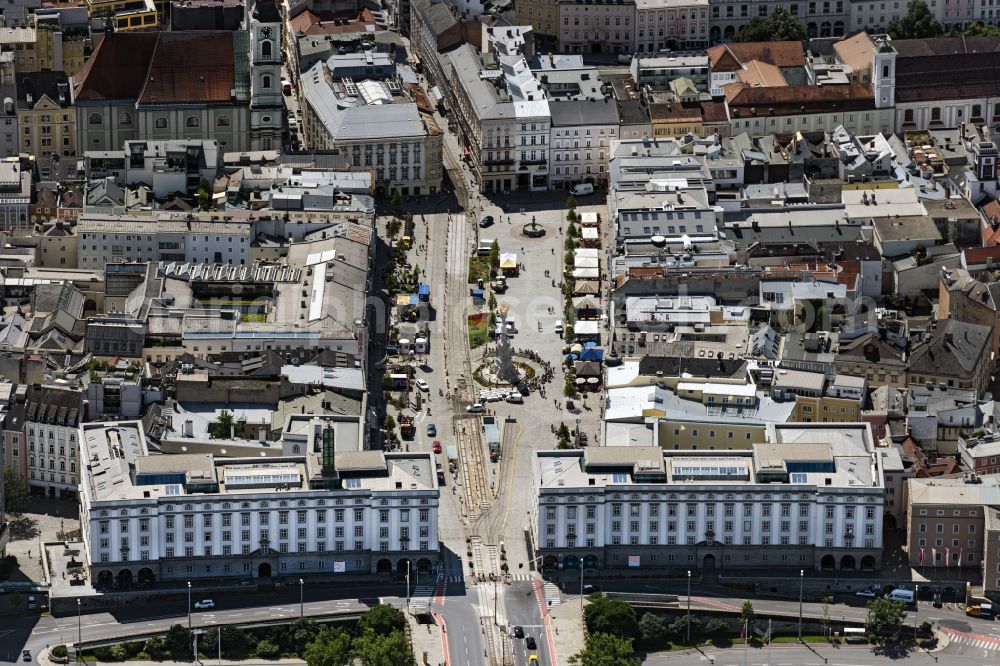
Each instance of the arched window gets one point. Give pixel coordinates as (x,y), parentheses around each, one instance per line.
(265,49)
(192,121)
(96,119)
(161,123)
(266,81)
(223,121)
(885,71)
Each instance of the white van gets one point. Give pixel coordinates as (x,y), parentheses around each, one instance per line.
(515,398)
(583,188)
(900,594)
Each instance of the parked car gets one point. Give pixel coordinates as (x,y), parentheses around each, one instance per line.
(937,600)
(559,327)
(26,655)
(437,446)
(204,604)
(590,589)
(432,430)
(867,593)
(422,385)
(486,221)
(475,408)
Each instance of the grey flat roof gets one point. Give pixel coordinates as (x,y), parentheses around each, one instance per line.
(583,112)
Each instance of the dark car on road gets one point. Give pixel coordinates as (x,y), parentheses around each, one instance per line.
(529,642)
(486,221)
(518,631)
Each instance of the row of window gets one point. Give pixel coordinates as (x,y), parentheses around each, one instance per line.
(338,546)
(653,540)
(125,118)
(261,504)
(702,497)
(727,526)
(691,510)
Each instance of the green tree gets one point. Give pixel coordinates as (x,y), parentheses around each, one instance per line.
(397,201)
(382,619)
(204,195)
(495,255)
(717,628)
(917,23)
(747,614)
(654,631)
(611,616)
(679,627)
(388,423)
(569,388)
(59,651)
(267,649)
(155,647)
(973,30)
(393,226)
(605,649)
(570,202)
(332,647)
(392,649)
(780,26)
(236,644)
(223,425)
(16,491)
(178,642)
(118,652)
(885,618)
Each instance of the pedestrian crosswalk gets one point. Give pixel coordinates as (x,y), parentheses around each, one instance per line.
(421,598)
(973,640)
(519,577)
(552,594)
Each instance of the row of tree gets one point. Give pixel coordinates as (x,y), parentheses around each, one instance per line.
(378,639)
(614,629)
(917,23)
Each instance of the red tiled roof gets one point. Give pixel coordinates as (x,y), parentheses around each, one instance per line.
(190,68)
(980,255)
(161,68)
(117,68)
(793,99)
(991,236)
(309,23)
(728,57)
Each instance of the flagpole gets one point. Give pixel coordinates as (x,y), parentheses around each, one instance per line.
(769,662)
(746,640)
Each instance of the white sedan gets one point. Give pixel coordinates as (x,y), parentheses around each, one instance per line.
(422,385)
(204,604)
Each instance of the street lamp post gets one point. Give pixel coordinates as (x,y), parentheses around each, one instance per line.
(302,610)
(189,605)
(802,578)
(79,628)
(689,609)
(407,584)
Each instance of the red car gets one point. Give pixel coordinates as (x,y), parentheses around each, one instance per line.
(437,446)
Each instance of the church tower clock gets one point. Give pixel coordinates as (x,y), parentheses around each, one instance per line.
(267,107)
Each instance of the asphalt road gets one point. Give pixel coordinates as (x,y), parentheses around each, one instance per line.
(795,655)
(521,603)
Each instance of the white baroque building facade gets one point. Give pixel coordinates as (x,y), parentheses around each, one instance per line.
(194,516)
(810,497)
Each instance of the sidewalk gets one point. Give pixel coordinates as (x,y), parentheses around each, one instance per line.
(427,639)
(567,629)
